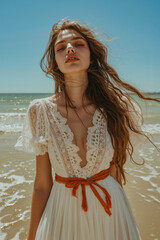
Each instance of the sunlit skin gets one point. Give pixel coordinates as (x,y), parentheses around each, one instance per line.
(69,42)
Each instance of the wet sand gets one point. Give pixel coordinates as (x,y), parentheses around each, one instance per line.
(17,170)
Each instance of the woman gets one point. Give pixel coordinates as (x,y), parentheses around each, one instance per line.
(84,133)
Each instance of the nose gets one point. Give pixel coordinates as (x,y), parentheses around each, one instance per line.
(70,48)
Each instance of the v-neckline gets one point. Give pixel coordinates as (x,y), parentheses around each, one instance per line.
(89,129)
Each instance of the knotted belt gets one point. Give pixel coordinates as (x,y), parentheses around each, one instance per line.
(74,182)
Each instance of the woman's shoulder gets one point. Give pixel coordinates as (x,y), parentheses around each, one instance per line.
(41,102)
(34,105)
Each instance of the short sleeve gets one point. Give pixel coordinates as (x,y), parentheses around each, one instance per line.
(36,133)
(137,140)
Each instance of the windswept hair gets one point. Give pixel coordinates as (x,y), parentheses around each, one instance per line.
(105,90)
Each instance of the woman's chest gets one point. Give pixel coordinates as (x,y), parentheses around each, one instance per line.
(80,149)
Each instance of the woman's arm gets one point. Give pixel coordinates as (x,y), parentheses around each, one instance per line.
(114,171)
(41,191)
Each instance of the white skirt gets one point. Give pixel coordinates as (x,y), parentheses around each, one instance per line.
(64,218)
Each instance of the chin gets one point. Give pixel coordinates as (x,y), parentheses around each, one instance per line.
(74,69)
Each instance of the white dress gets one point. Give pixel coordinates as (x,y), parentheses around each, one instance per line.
(45,130)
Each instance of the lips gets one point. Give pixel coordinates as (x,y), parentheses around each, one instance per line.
(71,58)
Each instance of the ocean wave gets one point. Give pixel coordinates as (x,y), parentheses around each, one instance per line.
(18,109)
(152,128)
(12,128)
(14,192)
(5,116)
(152,116)
(11,122)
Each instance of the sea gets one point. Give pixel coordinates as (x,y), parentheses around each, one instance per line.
(17,170)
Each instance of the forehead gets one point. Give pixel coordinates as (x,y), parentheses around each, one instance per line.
(67,34)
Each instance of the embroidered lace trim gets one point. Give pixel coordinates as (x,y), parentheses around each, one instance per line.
(96,141)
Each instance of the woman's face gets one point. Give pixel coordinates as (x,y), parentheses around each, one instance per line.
(72,53)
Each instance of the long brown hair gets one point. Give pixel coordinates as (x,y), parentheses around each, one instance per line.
(105,90)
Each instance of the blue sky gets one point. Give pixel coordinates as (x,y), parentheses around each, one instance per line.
(26,25)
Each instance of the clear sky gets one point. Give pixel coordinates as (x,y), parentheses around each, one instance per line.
(25,27)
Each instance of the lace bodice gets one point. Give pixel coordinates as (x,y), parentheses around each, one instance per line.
(96,142)
(45,130)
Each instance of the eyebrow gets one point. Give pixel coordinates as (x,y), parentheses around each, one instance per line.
(74,38)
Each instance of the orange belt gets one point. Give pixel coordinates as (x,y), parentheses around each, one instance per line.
(74,182)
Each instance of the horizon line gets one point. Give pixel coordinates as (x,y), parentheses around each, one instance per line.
(153,92)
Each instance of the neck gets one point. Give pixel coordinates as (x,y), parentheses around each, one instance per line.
(75,87)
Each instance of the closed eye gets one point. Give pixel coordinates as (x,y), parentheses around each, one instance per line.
(79,44)
(76,44)
(60,49)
